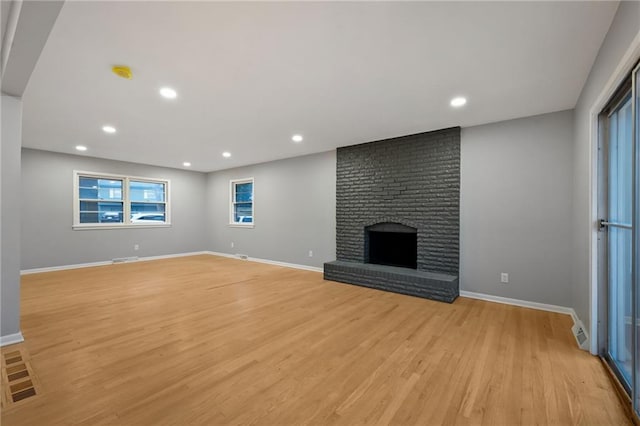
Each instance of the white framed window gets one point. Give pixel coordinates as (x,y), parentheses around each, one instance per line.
(241,206)
(109,201)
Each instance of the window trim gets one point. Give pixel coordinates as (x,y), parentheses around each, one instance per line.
(232,184)
(126,179)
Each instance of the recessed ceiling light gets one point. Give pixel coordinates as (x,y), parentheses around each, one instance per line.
(186,164)
(168,92)
(458,102)
(81,147)
(297,138)
(108,129)
(226,154)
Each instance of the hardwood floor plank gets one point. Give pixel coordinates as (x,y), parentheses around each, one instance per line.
(211,340)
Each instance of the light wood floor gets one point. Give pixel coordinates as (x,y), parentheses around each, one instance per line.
(210,340)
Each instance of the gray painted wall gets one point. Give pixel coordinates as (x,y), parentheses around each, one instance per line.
(294,210)
(11,113)
(47,208)
(625,26)
(515,208)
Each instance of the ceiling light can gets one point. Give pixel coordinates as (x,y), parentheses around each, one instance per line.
(458,101)
(168,92)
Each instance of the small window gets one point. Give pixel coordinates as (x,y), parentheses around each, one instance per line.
(108,201)
(242,202)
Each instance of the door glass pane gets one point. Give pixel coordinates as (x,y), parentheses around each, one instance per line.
(636,227)
(620,297)
(620,344)
(620,165)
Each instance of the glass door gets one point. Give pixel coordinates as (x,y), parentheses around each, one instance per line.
(619,237)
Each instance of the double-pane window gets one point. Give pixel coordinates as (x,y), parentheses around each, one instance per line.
(114,200)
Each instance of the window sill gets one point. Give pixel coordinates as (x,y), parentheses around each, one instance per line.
(241,225)
(127,226)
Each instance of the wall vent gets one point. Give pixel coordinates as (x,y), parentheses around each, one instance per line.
(124,259)
(582,339)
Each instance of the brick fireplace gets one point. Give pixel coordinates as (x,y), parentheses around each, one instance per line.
(397,215)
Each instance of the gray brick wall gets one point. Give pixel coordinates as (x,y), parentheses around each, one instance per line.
(413,180)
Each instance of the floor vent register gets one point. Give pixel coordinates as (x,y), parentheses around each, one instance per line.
(17,377)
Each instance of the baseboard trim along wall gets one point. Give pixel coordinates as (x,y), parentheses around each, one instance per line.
(11,339)
(522,303)
(107,262)
(577,328)
(269,262)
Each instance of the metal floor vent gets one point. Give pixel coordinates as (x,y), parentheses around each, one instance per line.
(582,339)
(17,378)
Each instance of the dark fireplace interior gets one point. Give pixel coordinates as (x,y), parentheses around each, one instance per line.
(391,244)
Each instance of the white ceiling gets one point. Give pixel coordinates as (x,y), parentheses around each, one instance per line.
(250,75)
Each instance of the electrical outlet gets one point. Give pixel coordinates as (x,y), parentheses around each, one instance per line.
(310,253)
(136,247)
(232,244)
(504,277)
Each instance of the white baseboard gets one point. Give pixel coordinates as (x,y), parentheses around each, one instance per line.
(11,339)
(106,262)
(574,316)
(169,256)
(216,253)
(270,262)
(522,303)
(533,305)
(64,267)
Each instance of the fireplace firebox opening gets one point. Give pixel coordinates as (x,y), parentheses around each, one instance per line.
(391,244)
